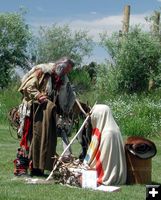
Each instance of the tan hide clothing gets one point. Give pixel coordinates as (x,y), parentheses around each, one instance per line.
(106,151)
(44,138)
(43,119)
(37,82)
(34,85)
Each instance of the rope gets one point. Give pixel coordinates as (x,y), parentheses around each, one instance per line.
(13,125)
(10,125)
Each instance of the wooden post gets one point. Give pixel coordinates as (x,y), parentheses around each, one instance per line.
(126,19)
(156,32)
(156,23)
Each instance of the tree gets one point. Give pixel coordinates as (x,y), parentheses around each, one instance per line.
(136,56)
(58,41)
(14,37)
(91,68)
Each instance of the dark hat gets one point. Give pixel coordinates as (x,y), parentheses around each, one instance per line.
(140,147)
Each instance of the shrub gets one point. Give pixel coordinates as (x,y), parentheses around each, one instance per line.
(9,98)
(137,57)
(137,114)
(80,79)
(107,79)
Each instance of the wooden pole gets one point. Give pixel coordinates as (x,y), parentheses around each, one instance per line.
(59,160)
(126,19)
(156,32)
(71,142)
(156,23)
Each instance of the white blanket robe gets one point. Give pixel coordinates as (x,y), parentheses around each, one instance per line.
(106,151)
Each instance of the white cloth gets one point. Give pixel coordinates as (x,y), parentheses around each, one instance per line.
(106,151)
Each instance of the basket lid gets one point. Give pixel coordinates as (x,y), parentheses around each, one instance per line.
(141,147)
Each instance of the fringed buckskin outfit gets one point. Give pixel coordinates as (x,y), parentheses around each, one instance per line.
(38,110)
(106,151)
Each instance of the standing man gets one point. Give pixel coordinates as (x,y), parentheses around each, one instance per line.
(42,87)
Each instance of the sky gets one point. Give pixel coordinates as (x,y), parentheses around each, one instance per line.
(95,16)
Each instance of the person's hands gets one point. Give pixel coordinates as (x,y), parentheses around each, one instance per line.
(42,99)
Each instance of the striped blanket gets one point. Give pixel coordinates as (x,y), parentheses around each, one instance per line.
(106,151)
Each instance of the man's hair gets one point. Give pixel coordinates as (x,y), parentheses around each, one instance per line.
(65,60)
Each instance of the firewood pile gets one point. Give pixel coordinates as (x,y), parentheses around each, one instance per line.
(64,175)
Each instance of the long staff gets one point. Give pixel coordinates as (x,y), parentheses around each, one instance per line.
(58,161)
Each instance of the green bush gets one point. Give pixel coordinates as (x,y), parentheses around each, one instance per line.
(137,114)
(80,79)
(107,79)
(135,59)
(9,98)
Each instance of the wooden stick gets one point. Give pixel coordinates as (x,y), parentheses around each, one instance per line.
(80,107)
(79,131)
(67,148)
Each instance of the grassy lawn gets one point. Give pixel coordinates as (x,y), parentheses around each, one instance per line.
(11,188)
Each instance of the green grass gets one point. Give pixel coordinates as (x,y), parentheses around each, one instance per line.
(17,189)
